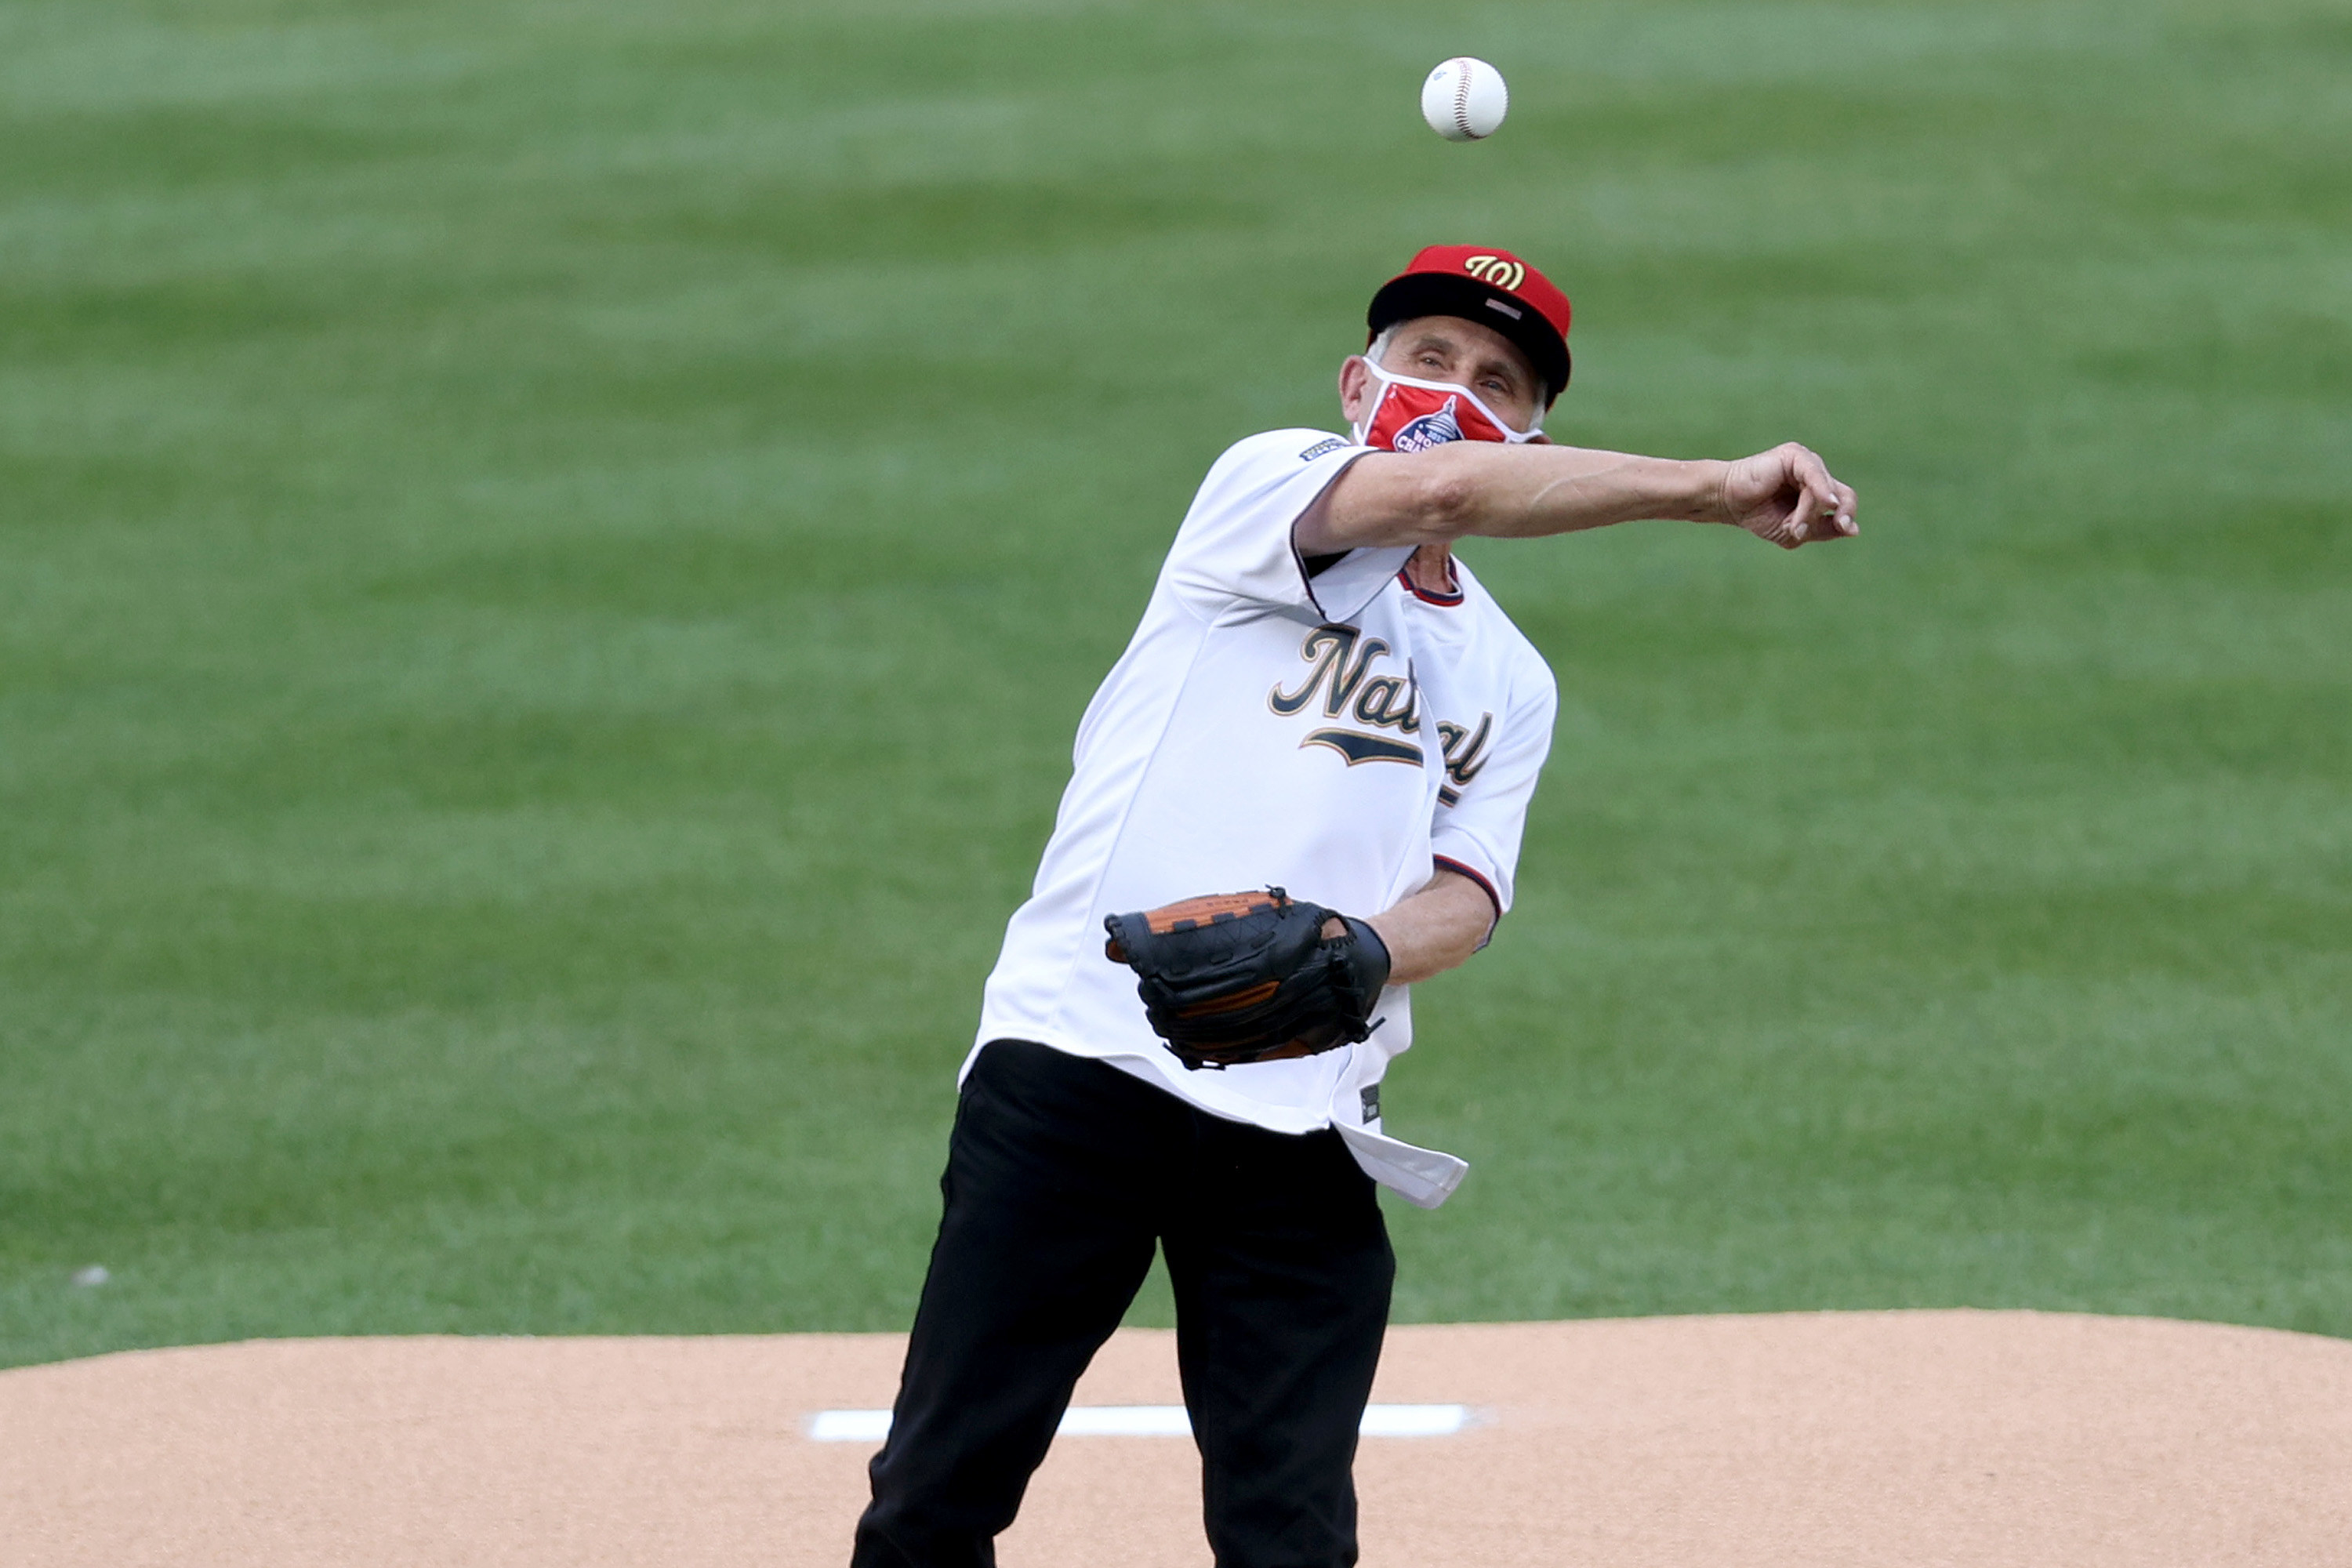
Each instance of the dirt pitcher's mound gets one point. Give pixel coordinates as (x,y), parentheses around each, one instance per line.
(1908,1438)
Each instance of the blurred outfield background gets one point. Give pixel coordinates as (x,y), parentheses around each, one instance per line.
(551,554)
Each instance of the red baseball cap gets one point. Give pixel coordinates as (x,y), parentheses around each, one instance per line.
(1491,286)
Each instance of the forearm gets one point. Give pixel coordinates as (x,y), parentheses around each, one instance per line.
(1486,489)
(1436,928)
(1566,489)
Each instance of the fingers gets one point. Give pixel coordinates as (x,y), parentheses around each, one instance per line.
(1824,507)
(1803,491)
(1817,494)
(1788,497)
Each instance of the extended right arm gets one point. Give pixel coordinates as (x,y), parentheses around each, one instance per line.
(1487,489)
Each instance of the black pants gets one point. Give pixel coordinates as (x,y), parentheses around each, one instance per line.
(1061,1175)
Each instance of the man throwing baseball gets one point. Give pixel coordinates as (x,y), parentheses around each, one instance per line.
(1300,790)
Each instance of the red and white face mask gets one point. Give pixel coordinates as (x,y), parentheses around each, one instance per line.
(1413,416)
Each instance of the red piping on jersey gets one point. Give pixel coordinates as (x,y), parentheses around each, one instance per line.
(1404,576)
(1448,862)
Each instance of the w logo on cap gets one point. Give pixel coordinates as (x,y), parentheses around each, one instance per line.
(1499,270)
(1487,284)
(1429,430)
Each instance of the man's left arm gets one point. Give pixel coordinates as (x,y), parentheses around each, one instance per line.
(1436,928)
(1475,837)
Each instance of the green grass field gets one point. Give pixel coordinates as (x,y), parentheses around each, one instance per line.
(550,556)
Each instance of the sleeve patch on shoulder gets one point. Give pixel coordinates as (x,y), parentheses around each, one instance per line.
(1329,444)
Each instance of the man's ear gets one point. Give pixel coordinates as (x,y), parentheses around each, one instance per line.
(1355,389)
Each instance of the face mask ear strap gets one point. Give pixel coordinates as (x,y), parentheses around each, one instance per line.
(1363,427)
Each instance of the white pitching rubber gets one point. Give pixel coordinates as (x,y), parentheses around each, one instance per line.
(1151,1421)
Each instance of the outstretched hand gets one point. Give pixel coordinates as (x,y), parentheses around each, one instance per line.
(1787,497)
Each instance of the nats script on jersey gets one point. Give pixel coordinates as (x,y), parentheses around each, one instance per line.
(1340,736)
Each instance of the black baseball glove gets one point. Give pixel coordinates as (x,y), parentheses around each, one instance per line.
(1251,977)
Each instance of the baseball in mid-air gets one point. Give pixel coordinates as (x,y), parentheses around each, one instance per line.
(1465,99)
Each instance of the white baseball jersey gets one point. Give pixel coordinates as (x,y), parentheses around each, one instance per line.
(1341,735)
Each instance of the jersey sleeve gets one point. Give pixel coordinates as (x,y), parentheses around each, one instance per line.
(1235,546)
(1482,808)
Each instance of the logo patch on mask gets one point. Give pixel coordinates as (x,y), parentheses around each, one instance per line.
(1429,430)
(1330,444)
